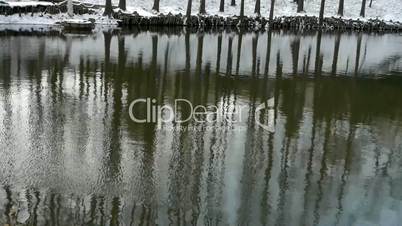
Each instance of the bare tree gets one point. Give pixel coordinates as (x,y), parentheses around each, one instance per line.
(340,9)
(271,11)
(300,6)
(222,6)
(202,7)
(257,8)
(156,6)
(188,13)
(122,4)
(241,8)
(322,12)
(108,8)
(363,10)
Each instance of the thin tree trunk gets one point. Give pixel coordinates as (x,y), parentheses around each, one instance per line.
(218,57)
(156,5)
(295,50)
(188,13)
(198,60)
(318,63)
(233,3)
(202,7)
(239,41)
(257,8)
(340,9)
(336,53)
(122,4)
(188,55)
(268,54)
(371,3)
(241,8)
(70,9)
(254,55)
(363,10)
(222,6)
(108,8)
(358,48)
(271,11)
(279,66)
(300,6)
(322,12)
(230,57)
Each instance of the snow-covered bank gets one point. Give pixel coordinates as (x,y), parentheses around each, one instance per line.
(381,10)
(47,19)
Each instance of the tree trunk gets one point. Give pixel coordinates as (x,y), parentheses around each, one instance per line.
(222,6)
(358,48)
(198,60)
(318,55)
(336,53)
(188,13)
(340,9)
(202,7)
(363,10)
(239,41)
(254,56)
(371,3)
(230,57)
(295,51)
(322,12)
(218,57)
(271,11)
(70,9)
(300,6)
(108,8)
(233,3)
(122,4)
(257,8)
(156,5)
(268,54)
(241,8)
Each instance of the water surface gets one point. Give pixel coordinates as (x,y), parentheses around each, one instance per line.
(71,155)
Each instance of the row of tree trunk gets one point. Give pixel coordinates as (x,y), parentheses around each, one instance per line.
(257,9)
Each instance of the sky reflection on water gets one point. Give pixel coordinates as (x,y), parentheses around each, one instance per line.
(69,153)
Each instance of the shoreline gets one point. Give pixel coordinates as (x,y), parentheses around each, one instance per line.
(259,23)
(53,13)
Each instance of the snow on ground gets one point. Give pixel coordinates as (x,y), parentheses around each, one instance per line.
(46,19)
(382,9)
(31,3)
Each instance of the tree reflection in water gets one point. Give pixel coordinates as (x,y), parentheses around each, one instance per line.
(71,155)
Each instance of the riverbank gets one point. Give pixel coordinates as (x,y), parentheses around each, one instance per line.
(49,13)
(258,23)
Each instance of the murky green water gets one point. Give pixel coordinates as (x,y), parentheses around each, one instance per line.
(71,155)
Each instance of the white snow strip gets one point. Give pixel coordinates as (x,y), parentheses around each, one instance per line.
(382,9)
(30,3)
